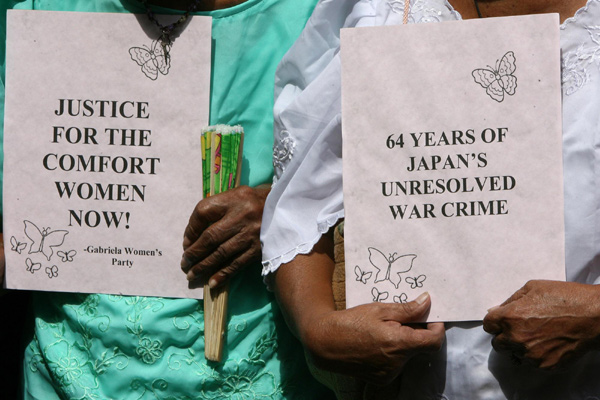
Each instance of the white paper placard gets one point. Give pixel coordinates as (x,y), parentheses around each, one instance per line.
(452,162)
(102,164)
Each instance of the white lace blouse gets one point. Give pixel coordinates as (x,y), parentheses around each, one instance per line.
(306,198)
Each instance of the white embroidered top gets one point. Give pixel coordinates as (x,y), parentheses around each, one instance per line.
(306,199)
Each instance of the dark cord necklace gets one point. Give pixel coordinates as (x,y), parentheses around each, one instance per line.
(477,8)
(166,30)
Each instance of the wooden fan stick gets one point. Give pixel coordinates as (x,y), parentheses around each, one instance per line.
(215,300)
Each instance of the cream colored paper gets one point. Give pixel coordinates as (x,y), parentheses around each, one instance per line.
(131,156)
(483,208)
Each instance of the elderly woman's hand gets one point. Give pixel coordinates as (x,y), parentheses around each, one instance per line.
(372,342)
(547,323)
(223,235)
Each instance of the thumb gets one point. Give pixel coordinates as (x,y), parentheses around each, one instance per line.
(413,311)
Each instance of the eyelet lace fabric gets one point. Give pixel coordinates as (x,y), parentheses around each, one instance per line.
(283,151)
(577,61)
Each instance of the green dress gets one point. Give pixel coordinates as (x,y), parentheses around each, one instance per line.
(118,347)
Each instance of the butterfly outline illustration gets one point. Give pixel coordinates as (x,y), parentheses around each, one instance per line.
(379,296)
(42,241)
(362,276)
(499,80)
(416,282)
(403,298)
(66,256)
(52,271)
(31,266)
(390,268)
(153,59)
(16,245)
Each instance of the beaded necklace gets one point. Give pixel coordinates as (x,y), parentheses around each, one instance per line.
(166,30)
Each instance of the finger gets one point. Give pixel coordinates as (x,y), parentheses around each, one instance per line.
(502,344)
(213,240)
(206,212)
(225,274)
(492,322)
(436,337)
(220,258)
(224,256)
(423,340)
(413,311)
(437,328)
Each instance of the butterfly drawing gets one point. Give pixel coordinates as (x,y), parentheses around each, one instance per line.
(31,266)
(42,241)
(152,60)
(500,80)
(362,276)
(66,256)
(403,298)
(389,268)
(52,271)
(379,296)
(416,282)
(16,245)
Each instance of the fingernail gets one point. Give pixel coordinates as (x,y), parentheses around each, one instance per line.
(422,298)
(493,308)
(212,283)
(191,276)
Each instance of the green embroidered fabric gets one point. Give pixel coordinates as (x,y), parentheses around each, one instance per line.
(117,347)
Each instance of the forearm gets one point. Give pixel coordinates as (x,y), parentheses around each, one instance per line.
(303,287)
(371,342)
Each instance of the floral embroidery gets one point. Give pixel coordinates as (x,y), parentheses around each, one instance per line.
(106,360)
(235,379)
(195,319)
(266,342)
(176,361)
(241,383)
(397,6)
(419,11)
(575,63)
(68,369)
(240,327)
(156,386)
(36,357)
(283,151)
(102,340)
(70,366)
(149,350)
(89,306)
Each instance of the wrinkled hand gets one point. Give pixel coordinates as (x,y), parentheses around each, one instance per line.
(372,342)
(547,323)
(223,235)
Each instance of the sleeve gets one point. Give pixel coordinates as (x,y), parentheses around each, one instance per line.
(306,198)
